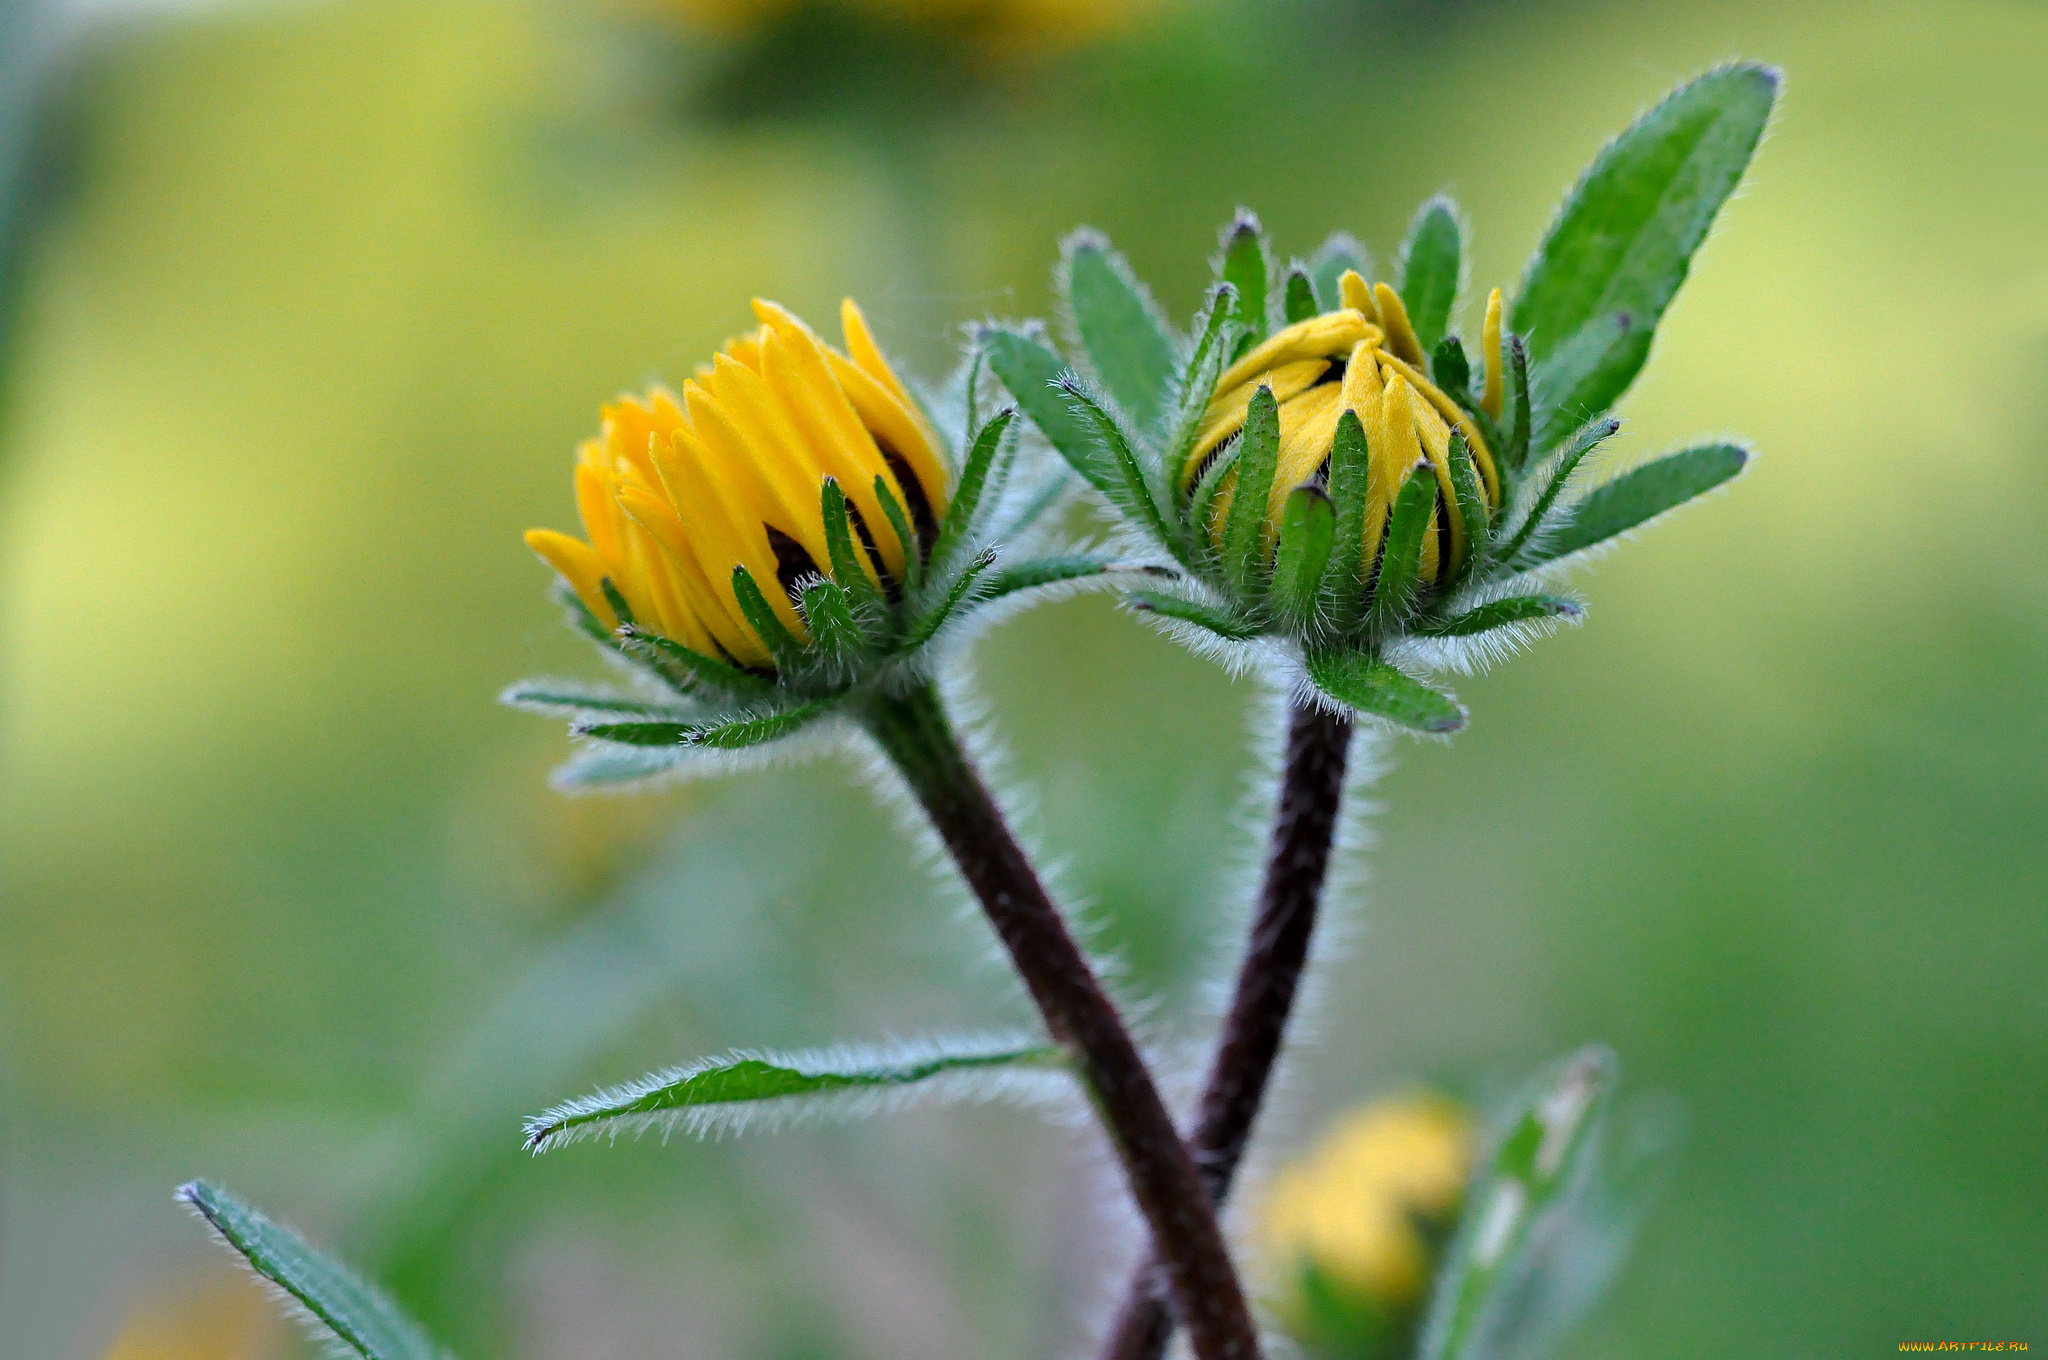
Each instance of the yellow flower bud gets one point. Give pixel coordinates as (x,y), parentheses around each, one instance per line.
(676,492)
(1362,358)
(1347,1219)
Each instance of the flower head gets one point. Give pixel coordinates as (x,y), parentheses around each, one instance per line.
(1362,359)
(687,499)
(1349,1234)
(782,538)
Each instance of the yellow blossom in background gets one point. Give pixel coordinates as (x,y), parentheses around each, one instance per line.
(1348,1219)
(219,1321)
(678,492)
(1362,357)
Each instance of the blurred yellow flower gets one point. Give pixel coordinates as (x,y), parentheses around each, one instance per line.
(1362,357)
(1353,1211)
(677,493)
(222,1320)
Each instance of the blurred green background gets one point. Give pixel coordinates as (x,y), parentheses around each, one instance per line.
(314,301)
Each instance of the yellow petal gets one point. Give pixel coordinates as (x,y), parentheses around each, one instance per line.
(1489,344)
(1394,320)
(803,387)
(786,460)
(893,428)
(1308,426)
(1357,294)
(725,532)
(577,563)
(1435,436)
(1320,337)
(681,593)
(1226,413)
(713,544)
(1456,416)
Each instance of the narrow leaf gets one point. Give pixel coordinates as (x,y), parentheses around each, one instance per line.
(781,643)
(1451,370)
(1134,493)
(731,1093)
(611,767)
(1624,240)
(1542,1164)
(1350,474)
(1339,253)
(1032,374)
(1518,554)
(1471,509)
(723,736)
(847,558)
(1046,571)
(1244,541)
(620,609)
(333,1303)
(1300,299)
(1639,496)
(899,524)
(1432,267)
(1515,439)
(1202,504)
(1308,527)
(835,632)
(1226,626)
(1120,328)
(1501,613)
(974,475)
(1198,384)
(569,700)
(580,617)
(1016,520)
(1247,269)
(963,585)
(1365,682)
(1401,556)
(684,664)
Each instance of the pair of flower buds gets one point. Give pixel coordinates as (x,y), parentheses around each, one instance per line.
(788,525)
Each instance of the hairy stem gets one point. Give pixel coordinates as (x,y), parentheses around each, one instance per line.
(1304,826)
(1193,1259)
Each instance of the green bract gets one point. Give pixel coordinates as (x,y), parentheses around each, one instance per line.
(1369,550)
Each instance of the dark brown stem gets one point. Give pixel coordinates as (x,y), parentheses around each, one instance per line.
(1169,1190)
(1304,827)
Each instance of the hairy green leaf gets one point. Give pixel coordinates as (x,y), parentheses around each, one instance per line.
(610,766)
(1363,681)
(1350,472)
(1204,367)
(1134,480)
(731,735)
(1244,538)
(684,665)
(1120,327)
(1517,553)
(1451,370)
(1640,495)
(725,1095)
(927,627)
(1432,265)
(848,559)
(1623,241)
(974,476)
(1308,527)
(906,534)
(1224,625)
(1472,511)
(1518,410)
(1401,556)
(1500,613)
(835,633)
(781,643)
(1032,374)
(1045,571)
(334,1303)
(567,700)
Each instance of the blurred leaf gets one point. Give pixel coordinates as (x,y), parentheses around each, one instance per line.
(1339,253)
(1624,239)
(1370,685)
(1541,1171)
(1032,373)
(329,1299)
(1431,271)
(1247,268)
(1120,328)
(729,1094)
(1640,495)
(1300,299)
